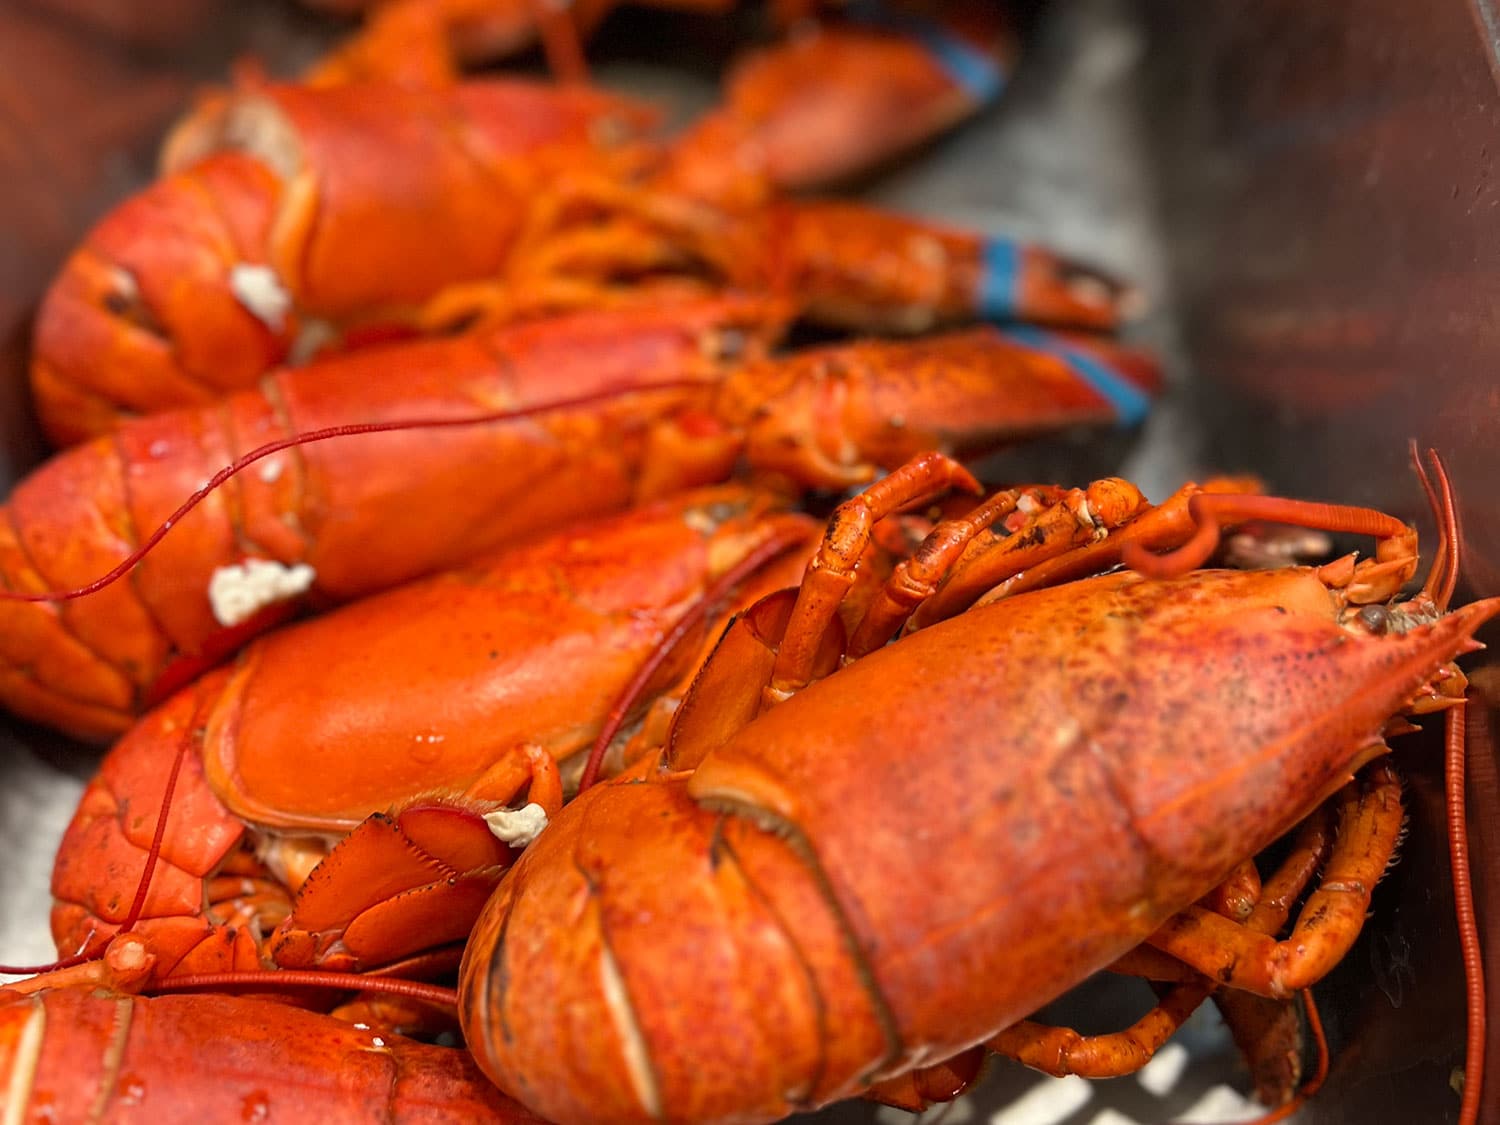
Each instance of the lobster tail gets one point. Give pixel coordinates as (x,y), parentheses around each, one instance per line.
(72,1054)
(104,850)
(650,883)
(258,245)
(165,304)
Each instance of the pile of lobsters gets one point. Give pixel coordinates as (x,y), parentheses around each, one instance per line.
(480,577)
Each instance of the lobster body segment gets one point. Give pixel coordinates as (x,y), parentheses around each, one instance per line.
(77,1054)
(1054,731)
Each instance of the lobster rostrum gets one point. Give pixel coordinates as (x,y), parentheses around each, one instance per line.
(294,220)
(572,417)
(806,841)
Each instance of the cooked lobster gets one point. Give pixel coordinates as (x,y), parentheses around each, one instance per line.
(295,220)
(833,874)
(571,418)
(492,676)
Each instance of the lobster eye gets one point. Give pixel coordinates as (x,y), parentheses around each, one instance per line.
(1375,618)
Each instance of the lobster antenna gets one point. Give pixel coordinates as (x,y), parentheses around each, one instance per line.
(1210,510)
(329,433)
(142,888)
(434,994)
(696,614)
(1463,908)
(1443,577)
(1435,506)
(1441,581)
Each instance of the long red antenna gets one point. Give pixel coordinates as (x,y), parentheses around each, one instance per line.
(1463,908)
(328,434)
(436,995)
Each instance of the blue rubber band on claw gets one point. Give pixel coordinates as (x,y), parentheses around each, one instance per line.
(979,75)
(1000,279)
(1131,404)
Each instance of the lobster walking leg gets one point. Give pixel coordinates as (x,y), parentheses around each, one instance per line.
(1327,924)
(1062,1051)
(989,574)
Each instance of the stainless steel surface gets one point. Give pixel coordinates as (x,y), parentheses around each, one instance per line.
(1304,193)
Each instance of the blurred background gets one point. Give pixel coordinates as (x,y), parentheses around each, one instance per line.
(1306,194)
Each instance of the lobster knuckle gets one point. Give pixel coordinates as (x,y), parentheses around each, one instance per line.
(1113,501)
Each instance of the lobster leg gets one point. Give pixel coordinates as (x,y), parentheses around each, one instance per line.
(1370,818)
(989,575)
(800,644)
(1370,580)
(1067,519)
(1072,519)
(831,572)
(1061,1051)
(1238,900)
(921,1088)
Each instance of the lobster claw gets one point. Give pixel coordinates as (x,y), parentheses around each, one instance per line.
(394,887)
(838,100)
